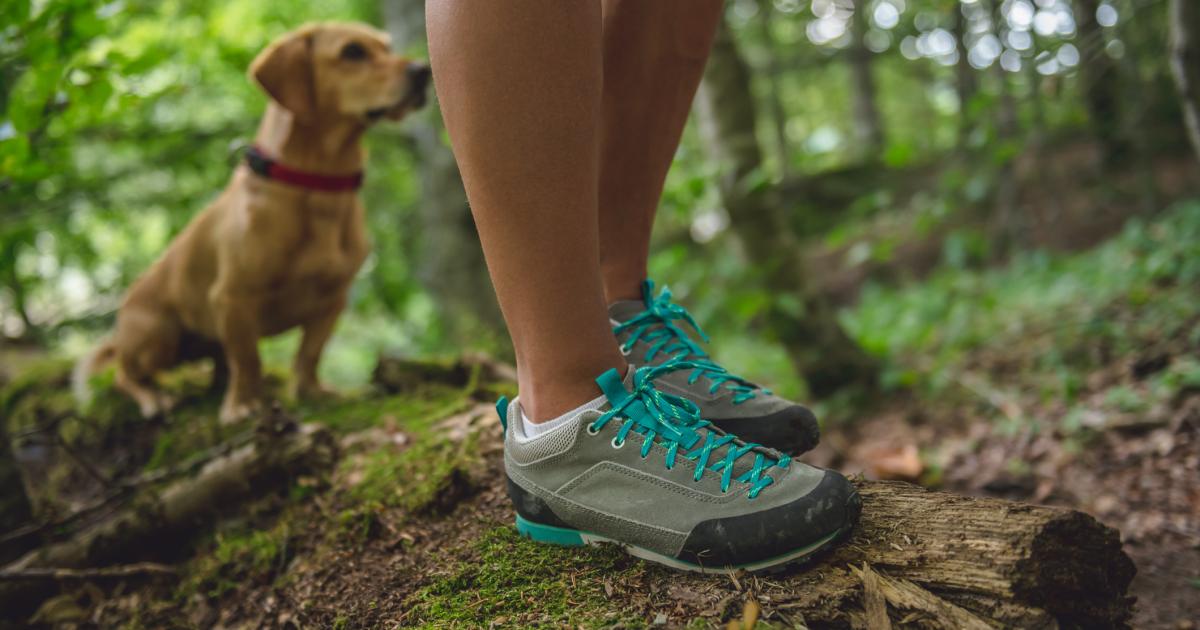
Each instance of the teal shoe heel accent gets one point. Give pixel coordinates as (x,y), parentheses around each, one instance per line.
(502,411)
(549,534)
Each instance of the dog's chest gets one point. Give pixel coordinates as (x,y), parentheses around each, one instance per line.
(325,252)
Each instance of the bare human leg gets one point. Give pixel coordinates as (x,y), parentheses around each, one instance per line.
(520,88)
(654,55)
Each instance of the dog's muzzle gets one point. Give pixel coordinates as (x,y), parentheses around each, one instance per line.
(418,83)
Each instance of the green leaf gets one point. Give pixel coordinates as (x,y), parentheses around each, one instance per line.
(30,97)
(899,154)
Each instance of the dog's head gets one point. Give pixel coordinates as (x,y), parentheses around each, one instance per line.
(338,71)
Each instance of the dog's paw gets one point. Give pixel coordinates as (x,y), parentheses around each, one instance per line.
(236,411)
(151,408)
(313,391)
(157,405)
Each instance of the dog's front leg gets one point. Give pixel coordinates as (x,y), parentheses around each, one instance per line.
(237,327)
(305,383)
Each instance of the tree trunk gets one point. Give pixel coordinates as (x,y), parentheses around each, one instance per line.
(960,558)
(1101,85)
(803,320)
(1005,194)
(774,100)
(868,127)
(451,266)
(1185,64)
(965,81)
(958,562)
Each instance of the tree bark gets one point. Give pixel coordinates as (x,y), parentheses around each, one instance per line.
(968,562)
(1185,64)
(868,126)
(803,320)
(451,266)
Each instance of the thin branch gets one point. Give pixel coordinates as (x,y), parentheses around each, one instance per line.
(113,572)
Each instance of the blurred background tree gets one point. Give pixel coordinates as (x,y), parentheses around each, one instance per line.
(841,146)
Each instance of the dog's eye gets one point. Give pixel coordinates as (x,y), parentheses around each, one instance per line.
(354,52)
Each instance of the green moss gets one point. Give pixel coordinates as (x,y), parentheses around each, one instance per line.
(415,410)
(510,573)
(236,558)
(38,393)
(418,478)
(357,524)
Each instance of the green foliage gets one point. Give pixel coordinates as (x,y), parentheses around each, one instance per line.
(120,121)
(926,329)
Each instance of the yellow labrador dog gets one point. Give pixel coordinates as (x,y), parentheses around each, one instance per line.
(281,244)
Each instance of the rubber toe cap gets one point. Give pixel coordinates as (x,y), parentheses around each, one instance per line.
(792,430)
(832,507)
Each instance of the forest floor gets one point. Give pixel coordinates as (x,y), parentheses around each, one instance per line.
(1086,397)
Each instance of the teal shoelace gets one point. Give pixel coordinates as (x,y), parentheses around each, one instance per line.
(673,423)
(656,325)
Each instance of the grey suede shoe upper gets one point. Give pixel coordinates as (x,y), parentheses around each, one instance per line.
(717,401)
(589,480)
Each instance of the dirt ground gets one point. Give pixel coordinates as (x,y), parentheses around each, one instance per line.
(404,564)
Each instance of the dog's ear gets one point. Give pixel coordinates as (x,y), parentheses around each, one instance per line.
(285,71)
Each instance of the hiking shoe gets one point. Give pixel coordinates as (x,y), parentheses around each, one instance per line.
(650,334)
(646,472)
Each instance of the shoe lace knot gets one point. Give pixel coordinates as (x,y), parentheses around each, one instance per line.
(674,423)
(656,325)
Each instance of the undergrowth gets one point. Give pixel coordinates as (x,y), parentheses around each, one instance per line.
(1065,314)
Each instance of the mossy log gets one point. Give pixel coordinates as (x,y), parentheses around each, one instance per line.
(395,374)
(950,561)
(155,521)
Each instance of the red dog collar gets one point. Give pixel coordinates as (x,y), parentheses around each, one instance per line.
(270,169)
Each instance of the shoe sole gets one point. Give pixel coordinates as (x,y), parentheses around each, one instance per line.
(564,537)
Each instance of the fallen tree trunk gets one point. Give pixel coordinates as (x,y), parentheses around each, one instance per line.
(155,520)
(400,374)
(951,561)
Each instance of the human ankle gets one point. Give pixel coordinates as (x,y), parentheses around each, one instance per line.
(545,403)
(547,398)
(621,284)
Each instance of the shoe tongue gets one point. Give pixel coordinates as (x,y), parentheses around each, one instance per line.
(625,310)
(740,466)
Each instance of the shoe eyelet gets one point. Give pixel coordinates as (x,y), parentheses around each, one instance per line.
(592,430)
(626,351)
(616,444)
